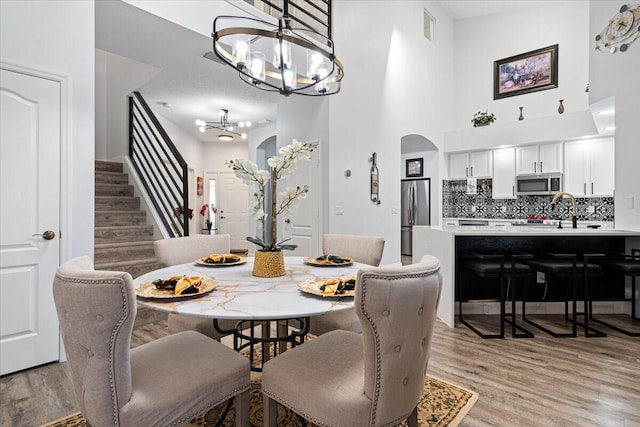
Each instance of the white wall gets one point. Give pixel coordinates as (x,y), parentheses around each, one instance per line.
(618,75)
(58,37)
(481,41)
(396,83)
(116,78)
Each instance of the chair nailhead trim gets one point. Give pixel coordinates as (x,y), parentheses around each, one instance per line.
(365,276)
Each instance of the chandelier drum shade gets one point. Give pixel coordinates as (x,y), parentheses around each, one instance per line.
(278,58)
(224,125)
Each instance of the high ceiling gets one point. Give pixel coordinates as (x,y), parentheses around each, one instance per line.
(196,87)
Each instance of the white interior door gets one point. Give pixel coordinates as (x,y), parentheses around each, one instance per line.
(233,204)
(30,189)
(304,221)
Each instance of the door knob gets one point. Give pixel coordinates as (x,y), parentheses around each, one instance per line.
(221,217)
(288,221)
(47,235)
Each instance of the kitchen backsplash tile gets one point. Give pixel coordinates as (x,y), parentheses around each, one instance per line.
(458,204)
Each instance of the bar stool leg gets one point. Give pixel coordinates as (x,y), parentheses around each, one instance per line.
(633,313)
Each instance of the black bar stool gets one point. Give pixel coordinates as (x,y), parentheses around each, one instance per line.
(629,265)
(567,268)
(495,266)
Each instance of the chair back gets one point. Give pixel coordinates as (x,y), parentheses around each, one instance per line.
(96,310)
(397,309)
(180,250)
(364,249)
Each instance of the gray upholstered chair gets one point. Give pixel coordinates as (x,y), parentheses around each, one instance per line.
(164,382)
(371,379)
(180,250)
(364,249)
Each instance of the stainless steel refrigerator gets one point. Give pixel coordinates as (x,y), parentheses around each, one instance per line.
(416,206)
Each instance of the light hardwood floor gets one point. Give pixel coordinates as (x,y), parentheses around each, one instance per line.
(539,382)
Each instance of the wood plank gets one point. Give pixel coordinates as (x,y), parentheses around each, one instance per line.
(543,381)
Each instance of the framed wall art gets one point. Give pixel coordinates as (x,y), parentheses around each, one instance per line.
(414,167)
(528,72)
(199,186)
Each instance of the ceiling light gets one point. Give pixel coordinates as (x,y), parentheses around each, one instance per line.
(607,112)
(224,125)
(278,58)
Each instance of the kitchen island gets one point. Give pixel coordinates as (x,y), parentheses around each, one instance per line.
(446,242)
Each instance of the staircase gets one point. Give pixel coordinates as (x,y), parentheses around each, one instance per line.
(123,240)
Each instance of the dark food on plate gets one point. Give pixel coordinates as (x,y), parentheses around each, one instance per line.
(338,286)
(180,285)
(332,259)
(221,259)
(168,285)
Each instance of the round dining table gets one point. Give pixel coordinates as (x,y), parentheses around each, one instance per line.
(241,296)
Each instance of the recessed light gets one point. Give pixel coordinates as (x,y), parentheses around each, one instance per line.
(607,112)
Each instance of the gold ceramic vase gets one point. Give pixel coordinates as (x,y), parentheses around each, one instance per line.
(268,264)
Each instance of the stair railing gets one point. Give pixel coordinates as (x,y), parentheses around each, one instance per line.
(160,167)
(309,14)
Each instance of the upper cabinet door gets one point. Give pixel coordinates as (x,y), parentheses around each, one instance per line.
(504,173)
(602,168)
(536,159)
(550,158)
(480,164)
(527,160)
(458,165)
(576,168)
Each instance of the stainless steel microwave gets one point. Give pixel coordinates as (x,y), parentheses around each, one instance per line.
(539,185)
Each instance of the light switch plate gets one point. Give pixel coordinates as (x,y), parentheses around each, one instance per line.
(339,210)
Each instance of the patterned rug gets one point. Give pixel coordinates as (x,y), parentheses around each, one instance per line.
(442,404)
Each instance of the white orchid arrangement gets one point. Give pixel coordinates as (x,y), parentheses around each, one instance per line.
(281,167)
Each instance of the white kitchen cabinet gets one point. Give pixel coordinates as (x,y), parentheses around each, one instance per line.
(540,158)
(504,173)
(477,164)
(589,167)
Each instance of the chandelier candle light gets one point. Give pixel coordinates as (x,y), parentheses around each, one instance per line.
(278,58)
(269,260)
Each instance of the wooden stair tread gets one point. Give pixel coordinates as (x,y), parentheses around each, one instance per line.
(123,244)
(126,263)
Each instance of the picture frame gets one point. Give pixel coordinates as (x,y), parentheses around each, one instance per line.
(199,186)
(525,73)
(414,167)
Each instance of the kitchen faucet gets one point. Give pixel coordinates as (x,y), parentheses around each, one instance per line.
(573,215)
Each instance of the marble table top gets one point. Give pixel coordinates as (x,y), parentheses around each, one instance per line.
(240,295)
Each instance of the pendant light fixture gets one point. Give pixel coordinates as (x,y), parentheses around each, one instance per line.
(278,58)
(224,125)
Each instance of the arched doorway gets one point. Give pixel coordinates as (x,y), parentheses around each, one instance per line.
(420,188)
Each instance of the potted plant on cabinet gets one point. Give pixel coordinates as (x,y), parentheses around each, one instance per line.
(483,119)
(269,260)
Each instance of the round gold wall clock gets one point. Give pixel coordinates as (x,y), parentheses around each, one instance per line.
(622,30)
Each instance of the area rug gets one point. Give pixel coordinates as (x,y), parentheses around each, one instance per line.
(442,404)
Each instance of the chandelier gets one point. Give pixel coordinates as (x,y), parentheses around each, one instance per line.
(278,58)
(224,125)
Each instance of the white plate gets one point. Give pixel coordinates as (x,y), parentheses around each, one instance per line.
(312,286)
(314,262)
(227,264)
(149,290)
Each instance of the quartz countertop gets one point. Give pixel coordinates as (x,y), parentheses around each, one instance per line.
(529,230)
